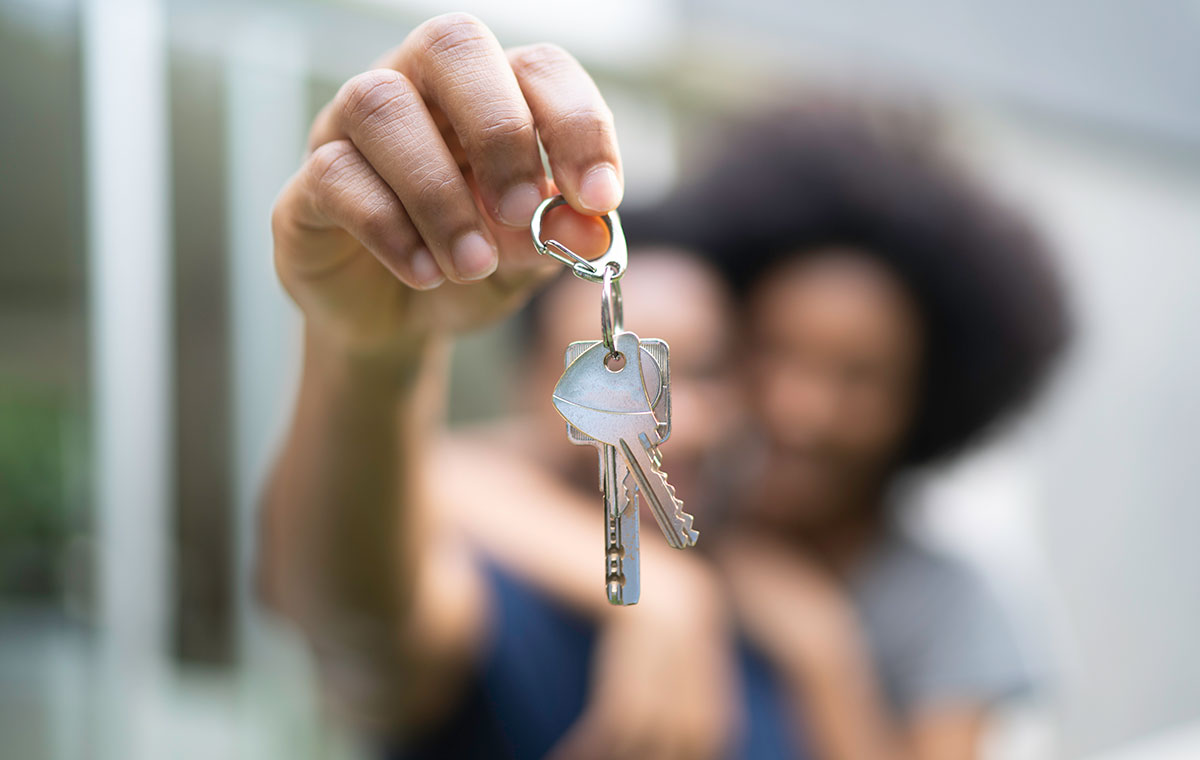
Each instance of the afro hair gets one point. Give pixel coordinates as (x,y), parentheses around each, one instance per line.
(805,179)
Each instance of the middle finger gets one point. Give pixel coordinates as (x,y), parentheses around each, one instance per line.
(459,66)
(383,114)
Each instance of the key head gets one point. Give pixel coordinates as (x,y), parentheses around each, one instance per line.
(656,375)
(604,399)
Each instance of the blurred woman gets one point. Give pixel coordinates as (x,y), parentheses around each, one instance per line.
(882,331)
(894,313)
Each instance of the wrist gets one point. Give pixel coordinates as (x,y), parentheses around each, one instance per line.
(390,369)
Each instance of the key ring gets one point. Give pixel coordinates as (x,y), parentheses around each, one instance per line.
(617,255)
(612,312)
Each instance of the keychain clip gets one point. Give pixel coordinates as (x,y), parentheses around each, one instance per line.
(616,257)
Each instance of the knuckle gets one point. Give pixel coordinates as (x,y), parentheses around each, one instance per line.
(366,95)
(506,130)
(379,225)
(591,121)
(434,191)
(327,168)
(592,118)
(541,58)
(452,33)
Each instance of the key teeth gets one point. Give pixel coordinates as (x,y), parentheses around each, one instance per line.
(682,519)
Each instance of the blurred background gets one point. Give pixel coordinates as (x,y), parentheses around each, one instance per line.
(147,355)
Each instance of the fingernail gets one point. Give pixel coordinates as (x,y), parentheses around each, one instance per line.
(600,190)
(518,204)
(473,256)
(425,270)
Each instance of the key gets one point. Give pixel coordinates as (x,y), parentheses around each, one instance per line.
(621,518)
(622,535)
(622,408)
(609,402)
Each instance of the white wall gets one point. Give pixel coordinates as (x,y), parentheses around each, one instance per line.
(1108,471)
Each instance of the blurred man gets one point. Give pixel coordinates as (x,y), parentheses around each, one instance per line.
(450,589)
(531,515)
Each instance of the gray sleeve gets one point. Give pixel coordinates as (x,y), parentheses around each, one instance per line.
(970,650)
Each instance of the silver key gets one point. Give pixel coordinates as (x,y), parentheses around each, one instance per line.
(622,564)
(612,406)
(625,472)
(622,539)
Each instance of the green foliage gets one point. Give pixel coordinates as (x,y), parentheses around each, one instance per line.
(39,464)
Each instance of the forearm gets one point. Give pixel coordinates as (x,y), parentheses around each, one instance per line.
(843,712)
(551,532)
(339,547)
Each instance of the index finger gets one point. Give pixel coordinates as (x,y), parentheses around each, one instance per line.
(575,125)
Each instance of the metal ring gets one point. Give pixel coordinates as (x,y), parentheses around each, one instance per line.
(612,312)
(616,256)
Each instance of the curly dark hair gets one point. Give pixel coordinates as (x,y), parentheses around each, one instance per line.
(798,181)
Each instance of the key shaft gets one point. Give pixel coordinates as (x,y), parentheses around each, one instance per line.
(622,560)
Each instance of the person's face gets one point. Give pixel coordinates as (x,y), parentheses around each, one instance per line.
(668,295)
(834,354)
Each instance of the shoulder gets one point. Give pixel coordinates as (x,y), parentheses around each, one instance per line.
(907,578)
(937,626)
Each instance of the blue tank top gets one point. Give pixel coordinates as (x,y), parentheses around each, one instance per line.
(533,680)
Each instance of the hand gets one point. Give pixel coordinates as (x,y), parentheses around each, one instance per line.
(427,170)
(664,685)
(790,607)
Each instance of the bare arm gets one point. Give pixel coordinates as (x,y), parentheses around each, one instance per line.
(550,532)
(848,718)
(406,224)
(347,532)
(816,643)
(843,710)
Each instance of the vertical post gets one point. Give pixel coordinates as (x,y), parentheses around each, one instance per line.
(266,86)
(125,114)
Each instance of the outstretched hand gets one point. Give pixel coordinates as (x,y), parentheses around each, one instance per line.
(410,214)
